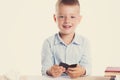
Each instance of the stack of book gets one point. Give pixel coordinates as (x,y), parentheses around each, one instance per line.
(112,71)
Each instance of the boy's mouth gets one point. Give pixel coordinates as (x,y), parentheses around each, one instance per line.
(67,26)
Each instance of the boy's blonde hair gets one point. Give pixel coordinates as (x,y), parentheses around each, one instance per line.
(67,2)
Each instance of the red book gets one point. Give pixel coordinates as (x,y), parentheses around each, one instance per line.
(112,69)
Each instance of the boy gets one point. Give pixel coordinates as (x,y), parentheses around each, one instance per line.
(66,46)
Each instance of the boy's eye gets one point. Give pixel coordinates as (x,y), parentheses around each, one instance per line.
(72,16)
(61,16)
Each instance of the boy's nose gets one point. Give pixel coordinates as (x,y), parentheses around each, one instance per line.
(67,20)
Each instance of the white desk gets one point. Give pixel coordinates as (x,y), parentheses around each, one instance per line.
(63,78)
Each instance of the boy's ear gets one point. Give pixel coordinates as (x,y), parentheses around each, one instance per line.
(54,17)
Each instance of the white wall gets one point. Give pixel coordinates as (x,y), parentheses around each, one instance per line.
(24,24)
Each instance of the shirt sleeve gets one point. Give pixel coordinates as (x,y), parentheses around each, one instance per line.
(47,57)
(86,60)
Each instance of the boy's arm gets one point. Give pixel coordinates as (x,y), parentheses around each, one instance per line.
(47,57)
(86,61)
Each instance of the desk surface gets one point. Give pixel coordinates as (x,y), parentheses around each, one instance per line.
(64,78)
(2,77)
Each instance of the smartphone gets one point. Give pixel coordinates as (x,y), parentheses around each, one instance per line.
(64,65)
(73,65)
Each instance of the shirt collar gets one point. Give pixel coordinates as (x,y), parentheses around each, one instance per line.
(76,40)
(58,39)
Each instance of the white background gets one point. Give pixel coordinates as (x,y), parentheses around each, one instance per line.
(25,24)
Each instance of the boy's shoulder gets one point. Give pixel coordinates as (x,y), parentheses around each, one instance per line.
(51,38)
(80,37)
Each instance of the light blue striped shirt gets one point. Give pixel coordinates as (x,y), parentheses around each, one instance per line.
(55,51)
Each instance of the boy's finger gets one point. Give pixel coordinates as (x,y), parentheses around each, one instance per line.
(72,72)
(62,68)
(55,66)
(71,69)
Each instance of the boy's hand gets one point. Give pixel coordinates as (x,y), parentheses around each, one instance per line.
(76,72)
(56,71)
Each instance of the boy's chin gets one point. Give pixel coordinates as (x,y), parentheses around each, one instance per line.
(66,33)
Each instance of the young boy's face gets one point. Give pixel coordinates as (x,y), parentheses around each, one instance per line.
(67,17)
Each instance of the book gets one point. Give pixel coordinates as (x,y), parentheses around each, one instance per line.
(112,71)
(66,66)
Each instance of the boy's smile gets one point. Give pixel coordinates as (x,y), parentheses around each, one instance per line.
(67,26)
(67,17)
